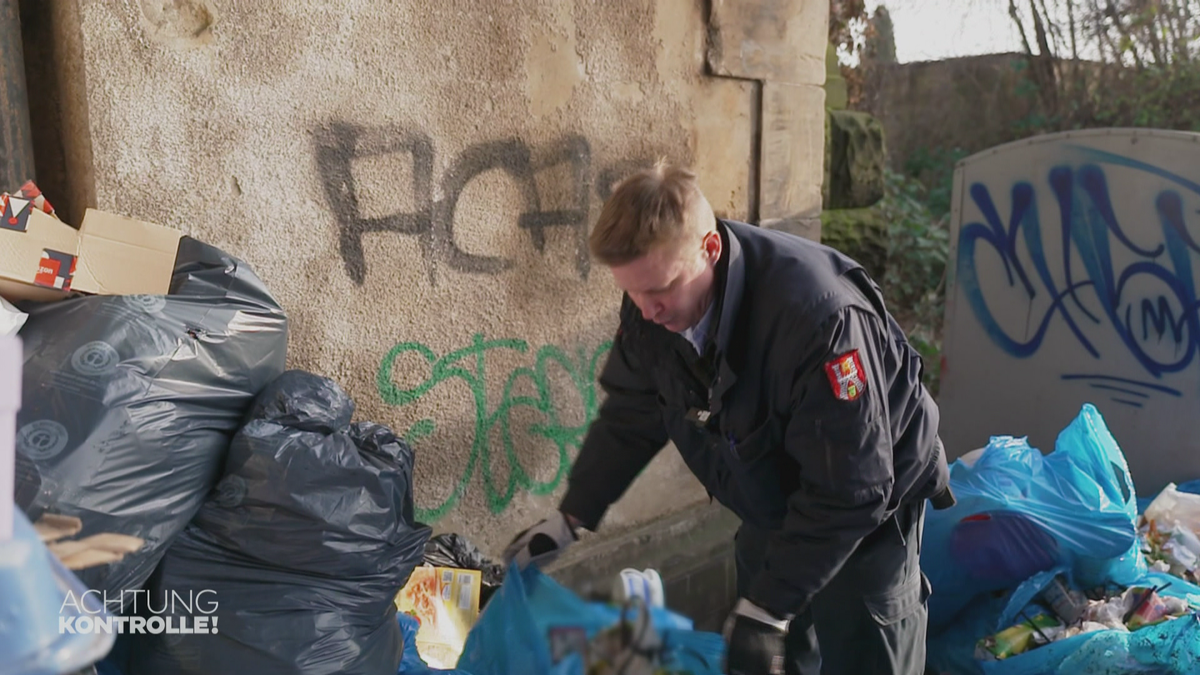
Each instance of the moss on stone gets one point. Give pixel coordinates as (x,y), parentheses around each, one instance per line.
(858,233)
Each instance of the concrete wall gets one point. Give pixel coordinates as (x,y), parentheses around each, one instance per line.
(1074,284)
(415,181)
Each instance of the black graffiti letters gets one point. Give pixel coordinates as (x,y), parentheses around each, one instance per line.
(562,167)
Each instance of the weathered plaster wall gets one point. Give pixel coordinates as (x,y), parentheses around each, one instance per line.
(415,182)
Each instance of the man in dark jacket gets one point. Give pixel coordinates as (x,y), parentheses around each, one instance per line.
(773,366)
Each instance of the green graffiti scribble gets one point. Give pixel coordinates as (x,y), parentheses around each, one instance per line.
(457,364)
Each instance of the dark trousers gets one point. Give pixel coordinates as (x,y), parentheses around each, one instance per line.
(871,617)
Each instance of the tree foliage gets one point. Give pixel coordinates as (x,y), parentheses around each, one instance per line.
(881,44)
(1097,63)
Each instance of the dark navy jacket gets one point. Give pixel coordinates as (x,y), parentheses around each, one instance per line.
(806,415)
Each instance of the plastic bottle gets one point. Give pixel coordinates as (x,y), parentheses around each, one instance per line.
(645,584)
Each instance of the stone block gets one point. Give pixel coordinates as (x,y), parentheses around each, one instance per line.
(723,139)
(855,160)
(772,40)
(793,148)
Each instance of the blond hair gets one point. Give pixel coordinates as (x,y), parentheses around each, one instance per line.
(659,205)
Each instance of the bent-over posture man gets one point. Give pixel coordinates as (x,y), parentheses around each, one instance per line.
(772,364)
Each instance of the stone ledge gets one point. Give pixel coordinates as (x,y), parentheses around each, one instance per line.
(692,550)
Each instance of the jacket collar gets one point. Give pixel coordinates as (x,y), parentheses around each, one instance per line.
(731,294)
(730,299)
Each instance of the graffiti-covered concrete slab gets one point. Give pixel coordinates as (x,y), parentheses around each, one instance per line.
(1075,281)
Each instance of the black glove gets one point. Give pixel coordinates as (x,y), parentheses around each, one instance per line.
(755,639)
(542,543)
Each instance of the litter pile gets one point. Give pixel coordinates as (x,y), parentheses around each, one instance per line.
(170,472)
(164,455)
(1170,533)
(1062,612)
(1040,566)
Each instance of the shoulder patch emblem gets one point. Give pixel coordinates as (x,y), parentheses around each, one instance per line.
(846,376)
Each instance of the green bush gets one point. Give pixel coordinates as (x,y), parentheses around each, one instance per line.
(904,244)
(914,279)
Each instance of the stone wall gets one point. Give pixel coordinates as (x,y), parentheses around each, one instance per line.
(415,181)
(971,103)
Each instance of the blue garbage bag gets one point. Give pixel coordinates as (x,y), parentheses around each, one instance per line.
(50,621)
(1170,648)
(1019,513)
(534,626)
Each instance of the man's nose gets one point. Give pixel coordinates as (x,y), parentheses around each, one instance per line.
(650,309)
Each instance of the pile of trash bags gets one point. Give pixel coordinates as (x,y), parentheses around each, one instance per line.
(270,529)
(1039,567)
(129,403)
(304,543)
(232,495)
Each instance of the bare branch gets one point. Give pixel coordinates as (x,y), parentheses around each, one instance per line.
(1039,30)
(1111,12)
(1103,31)
(1015,14)
(1054,29)
(1071,26)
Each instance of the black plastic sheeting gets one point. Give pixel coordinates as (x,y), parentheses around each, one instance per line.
(453,550)
(304,544)
(129,403)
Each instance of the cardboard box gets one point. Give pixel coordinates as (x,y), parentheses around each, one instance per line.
(43,258)
(123,256)
(445,602)
(37,254)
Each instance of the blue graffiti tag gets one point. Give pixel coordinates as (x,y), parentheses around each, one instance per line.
(1160,328)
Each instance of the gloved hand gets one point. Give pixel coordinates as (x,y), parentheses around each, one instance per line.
(542,543)
(755,639)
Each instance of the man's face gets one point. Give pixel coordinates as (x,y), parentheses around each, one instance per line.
(672,284)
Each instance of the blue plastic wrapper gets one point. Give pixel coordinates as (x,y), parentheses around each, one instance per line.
(1170,648)
(36,594)
(1020,513)
(513,633)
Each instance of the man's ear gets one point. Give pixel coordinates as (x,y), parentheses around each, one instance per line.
(712,246)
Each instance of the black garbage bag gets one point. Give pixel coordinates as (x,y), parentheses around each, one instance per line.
(303,546)
(129,403)
(453,550)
